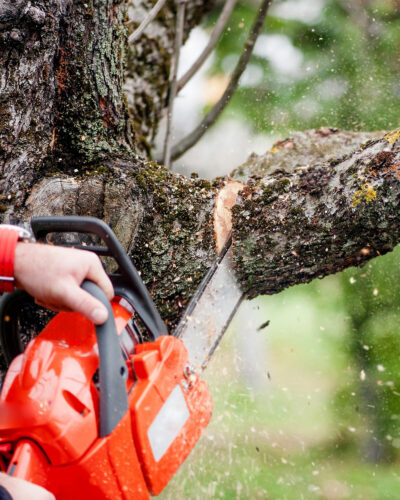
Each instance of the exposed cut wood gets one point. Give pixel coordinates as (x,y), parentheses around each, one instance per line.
(226,199)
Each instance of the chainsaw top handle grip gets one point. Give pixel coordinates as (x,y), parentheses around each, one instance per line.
(127,282)
(112,368)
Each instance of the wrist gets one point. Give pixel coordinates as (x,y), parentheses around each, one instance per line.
(9,237)
(8,243)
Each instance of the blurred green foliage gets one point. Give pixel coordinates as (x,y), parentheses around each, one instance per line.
(326,423)
(302,432)
(337,65)
(371,399)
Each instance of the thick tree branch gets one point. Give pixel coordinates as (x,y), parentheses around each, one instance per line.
(291,227)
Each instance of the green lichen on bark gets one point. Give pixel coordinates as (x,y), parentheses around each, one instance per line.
(92,122)
(293,226)
(163,220)
(174,246)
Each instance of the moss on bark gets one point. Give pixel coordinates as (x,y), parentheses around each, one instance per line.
(291,227)
(174,246)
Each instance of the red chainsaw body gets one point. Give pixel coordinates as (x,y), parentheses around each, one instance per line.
(49,414)
(163,382)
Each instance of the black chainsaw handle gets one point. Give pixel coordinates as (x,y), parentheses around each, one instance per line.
(112,368)
(127,280)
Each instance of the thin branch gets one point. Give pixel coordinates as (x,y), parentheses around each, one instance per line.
(220,25)
(191,139)
(173,87)
(146,21)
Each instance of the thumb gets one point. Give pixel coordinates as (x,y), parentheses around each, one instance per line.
(81,301)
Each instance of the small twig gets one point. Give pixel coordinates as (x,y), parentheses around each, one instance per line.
(173,87)
(146,21)
(220,25)
(191,139)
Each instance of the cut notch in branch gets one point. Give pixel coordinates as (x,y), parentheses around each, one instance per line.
(225,200)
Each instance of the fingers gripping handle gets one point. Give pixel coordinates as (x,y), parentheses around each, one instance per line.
(128,280)
(112,368)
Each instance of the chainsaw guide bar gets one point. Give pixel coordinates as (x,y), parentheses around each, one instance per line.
(211,310)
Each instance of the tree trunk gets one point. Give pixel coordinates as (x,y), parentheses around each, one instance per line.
(67,147)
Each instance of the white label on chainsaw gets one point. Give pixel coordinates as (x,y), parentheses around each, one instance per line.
(168,422)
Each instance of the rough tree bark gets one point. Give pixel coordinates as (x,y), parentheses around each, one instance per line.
(70,143)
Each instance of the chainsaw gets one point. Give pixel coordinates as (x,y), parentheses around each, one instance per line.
(109,411)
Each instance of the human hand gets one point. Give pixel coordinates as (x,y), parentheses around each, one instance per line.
(22,490)
(53,275)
